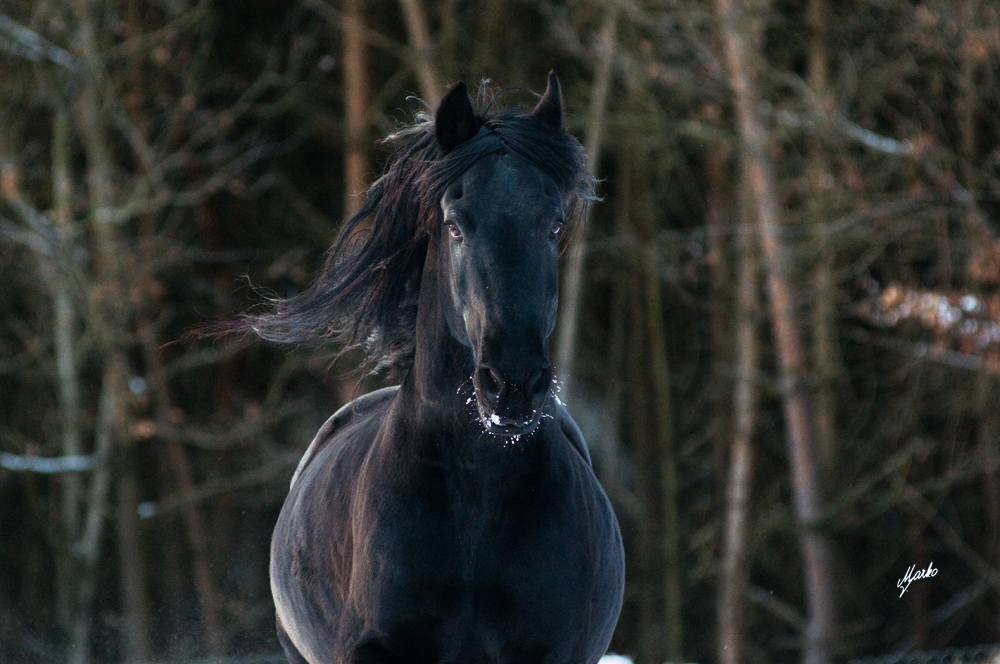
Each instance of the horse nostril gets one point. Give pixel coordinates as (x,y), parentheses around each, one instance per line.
(490,381)
(539,381)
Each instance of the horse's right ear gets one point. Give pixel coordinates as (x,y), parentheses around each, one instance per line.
(455,122)
(550,107)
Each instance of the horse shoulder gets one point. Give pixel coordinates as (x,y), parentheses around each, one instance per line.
(344,416)
(603,586)
(572,432)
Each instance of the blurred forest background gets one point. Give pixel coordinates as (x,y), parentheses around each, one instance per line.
(780,329)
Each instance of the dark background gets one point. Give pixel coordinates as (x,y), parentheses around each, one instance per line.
(158,156)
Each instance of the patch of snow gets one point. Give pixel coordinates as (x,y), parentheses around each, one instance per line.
(611,658)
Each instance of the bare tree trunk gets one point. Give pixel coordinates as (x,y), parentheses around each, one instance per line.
(569,310)
(662,431)
(989,419)
(448,38)
(132,573)
(666,449)
(490,23)
(826,358)
(619,342)
(917,604)
(91,125)
(175,611)
(635,391)
(208,597)
(741,58)
(989,450)
(355,107)
(718,227)
(66,361)
(108,317)
(88,547)
(968,99)
(989,441)
(733,574)
(642,428)
(426,70)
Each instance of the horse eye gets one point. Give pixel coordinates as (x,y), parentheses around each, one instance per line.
(556,227)
(454,230)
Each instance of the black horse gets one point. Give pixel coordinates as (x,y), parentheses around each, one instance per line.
(453,518)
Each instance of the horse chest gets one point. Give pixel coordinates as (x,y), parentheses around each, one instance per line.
(472,562)
(472,526)
(488,559)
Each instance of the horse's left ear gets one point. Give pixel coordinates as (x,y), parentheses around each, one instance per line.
(455,121)
(550,109)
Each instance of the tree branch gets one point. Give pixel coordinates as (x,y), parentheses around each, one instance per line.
(27,43)
(49,465)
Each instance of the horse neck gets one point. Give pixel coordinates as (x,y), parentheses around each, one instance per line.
(442,366)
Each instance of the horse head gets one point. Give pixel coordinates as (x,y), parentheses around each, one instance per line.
(499,251)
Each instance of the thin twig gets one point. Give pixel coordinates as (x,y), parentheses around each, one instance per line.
(49,465)
(211,488)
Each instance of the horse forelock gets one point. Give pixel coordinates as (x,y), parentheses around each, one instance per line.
(554,152)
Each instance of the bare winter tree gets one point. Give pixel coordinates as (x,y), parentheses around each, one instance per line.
(153,153)
(740,32)
(102,250)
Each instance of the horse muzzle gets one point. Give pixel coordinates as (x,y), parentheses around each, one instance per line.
(510,403)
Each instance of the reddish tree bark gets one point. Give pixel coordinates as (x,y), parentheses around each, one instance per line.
(355,107)
(739,31)
(420,40)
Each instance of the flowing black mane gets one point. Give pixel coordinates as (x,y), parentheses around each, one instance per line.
(366,294)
